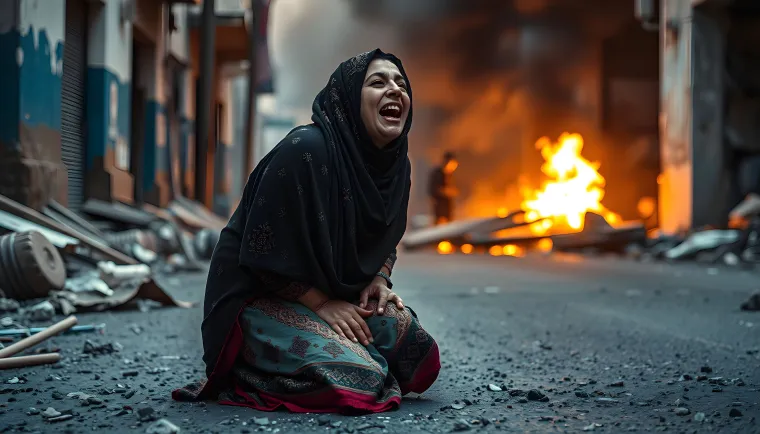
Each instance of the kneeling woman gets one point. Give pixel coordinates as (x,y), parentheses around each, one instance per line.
(299,311)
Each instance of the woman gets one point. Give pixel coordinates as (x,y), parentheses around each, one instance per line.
(299,311)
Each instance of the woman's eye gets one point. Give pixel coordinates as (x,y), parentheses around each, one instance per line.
(375,83)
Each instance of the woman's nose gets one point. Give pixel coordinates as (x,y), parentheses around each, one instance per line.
(394,89)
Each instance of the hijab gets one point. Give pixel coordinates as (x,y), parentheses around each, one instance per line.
(325,208)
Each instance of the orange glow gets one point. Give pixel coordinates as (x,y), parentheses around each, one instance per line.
(513,250)
(467,249)
(445,248)
(451,166)
(502,212)
(545,245)
(496,251)
(574,187)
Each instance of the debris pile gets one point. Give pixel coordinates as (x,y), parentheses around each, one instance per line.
(55,261)
(514,235)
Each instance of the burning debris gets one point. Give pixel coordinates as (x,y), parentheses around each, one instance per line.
(567,214)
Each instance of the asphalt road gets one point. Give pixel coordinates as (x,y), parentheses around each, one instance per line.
(615,346)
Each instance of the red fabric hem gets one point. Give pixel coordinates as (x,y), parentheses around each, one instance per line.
(340,401)
(426,373)
(232,345)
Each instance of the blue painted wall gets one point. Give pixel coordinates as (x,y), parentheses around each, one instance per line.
(99,82)
(187,131)
(31,92)
(151,157)
(40,86)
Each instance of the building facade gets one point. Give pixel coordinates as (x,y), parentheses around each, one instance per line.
(99,101)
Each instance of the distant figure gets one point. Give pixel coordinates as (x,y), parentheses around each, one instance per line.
(442,190)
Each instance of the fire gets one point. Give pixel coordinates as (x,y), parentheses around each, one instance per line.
(445,248)
(573,189)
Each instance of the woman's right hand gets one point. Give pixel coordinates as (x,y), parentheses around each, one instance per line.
(346,319)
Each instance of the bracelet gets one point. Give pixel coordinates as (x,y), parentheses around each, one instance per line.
(321,305)
(386,277)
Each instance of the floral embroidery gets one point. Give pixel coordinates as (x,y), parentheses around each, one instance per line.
(261,240)
(219,270)
(333,349)
(299,187)
(334,95)
(284,254)
(296,140)
(324,169)
(321,216)
(290,317)
(403,317)
(307,157)
(357,63)
(299,347)
(347,194)
(261,201)
(281,173)
(339,114)
(282,213)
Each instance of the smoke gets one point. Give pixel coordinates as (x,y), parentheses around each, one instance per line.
(490,76)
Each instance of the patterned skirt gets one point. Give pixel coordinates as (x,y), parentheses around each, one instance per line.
(290,358)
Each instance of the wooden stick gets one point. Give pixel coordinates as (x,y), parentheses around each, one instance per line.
(25,361)
(39,337)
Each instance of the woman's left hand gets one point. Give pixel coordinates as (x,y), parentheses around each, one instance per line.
(379,290)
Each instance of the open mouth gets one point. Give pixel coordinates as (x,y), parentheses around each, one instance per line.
(391,112)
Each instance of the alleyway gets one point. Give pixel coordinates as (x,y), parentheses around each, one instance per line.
(616,346)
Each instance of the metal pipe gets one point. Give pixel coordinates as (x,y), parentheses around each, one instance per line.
(250,119)
(203,99)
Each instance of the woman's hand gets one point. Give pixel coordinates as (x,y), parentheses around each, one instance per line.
(346,319)
(379,290)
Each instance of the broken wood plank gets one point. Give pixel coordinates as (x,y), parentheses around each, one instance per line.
(435,234)
(118,212)
(13,207)
(74,217)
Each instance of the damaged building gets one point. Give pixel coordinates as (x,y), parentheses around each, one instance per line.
(99,102)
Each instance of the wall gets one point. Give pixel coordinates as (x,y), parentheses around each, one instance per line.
(223,162)
(109,94)
(675,189)
(151,69)
(31,60)
(179,44)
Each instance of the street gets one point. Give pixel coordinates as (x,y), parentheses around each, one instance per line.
(613,345)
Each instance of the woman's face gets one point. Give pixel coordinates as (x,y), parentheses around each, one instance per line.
(385,102)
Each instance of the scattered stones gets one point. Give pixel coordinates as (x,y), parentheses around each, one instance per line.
(699,417)
(263,421)
(617,384)
(147,414)
(706,370)
(682,411)
(494,388)
(735,412)
(537,395)
(95,349)
(50,412)
(162,426)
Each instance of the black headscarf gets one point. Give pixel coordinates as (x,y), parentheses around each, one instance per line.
(325,207)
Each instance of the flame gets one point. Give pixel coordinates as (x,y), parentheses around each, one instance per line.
(573,189)
(445,248)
